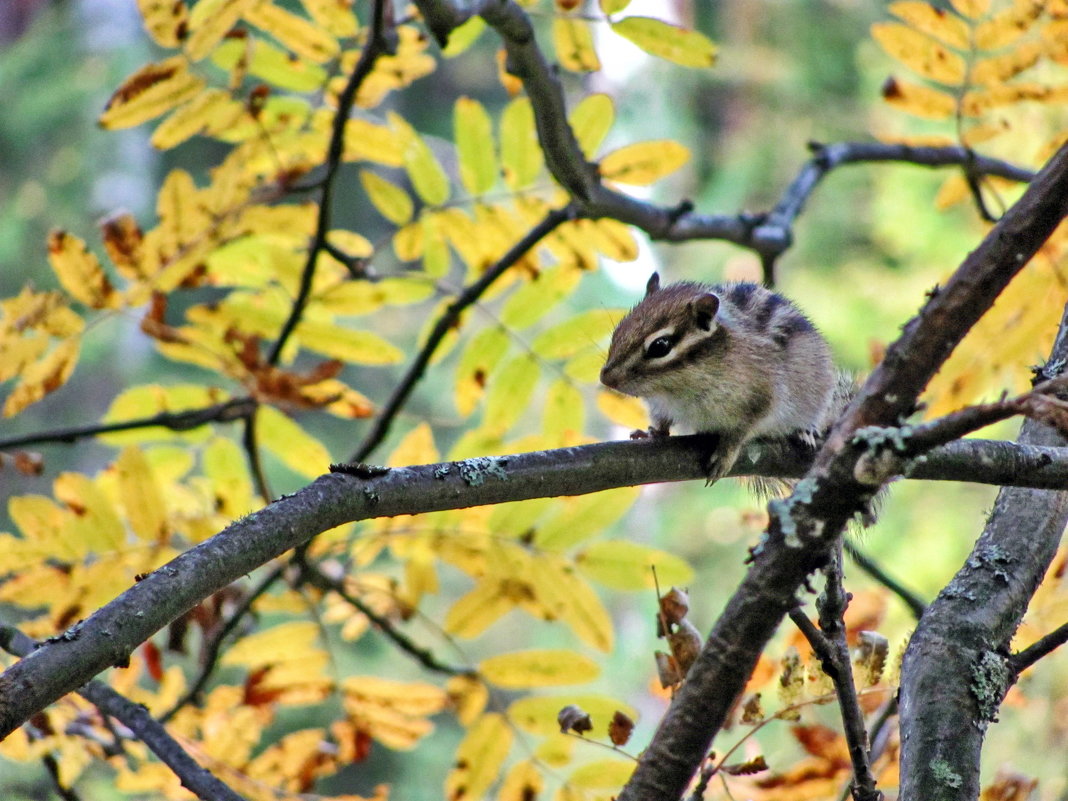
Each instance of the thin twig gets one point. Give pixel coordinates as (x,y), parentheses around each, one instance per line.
(212,646)
(448,320)
(137,719)
(1022,660)
(379,42)
(250,443)
(317,578)
(235,409)
(873,569)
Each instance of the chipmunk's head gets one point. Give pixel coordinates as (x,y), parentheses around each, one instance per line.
(658,347)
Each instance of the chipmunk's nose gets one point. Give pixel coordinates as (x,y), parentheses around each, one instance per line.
(609,377)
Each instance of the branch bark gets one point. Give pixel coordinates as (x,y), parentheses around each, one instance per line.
(957,660)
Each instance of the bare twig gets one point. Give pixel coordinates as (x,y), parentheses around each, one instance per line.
(1022,660)
(137,719)
(449,320)
(873,569)
(250,443)
(379,42)
(317,578)
(229,411)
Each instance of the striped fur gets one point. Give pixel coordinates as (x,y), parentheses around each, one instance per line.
(736,359)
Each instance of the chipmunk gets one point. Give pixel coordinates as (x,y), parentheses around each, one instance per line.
(735,359)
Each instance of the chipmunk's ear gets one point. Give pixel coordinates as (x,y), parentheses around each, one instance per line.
(704,310)
(653,284)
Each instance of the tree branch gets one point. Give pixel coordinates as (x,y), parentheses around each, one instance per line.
(112,632)
(1019,662)
(379,42)
(137,719)
(956,661)
(804,527)
(915,604)
(227,412)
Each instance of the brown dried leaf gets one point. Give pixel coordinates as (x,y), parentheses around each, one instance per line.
(620,728)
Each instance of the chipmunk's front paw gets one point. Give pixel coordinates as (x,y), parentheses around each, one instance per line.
(720,461)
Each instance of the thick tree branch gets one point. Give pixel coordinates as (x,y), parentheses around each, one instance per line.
(957,661)
(449,320)
(138,720)
(111,634)
(804,527)
(379,42)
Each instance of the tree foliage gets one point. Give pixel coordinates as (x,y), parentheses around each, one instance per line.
(286,325)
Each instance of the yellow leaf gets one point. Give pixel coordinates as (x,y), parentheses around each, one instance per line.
(573,42)
(210,21)
(512,85)
(613,6)
(583,517)
(335,16)
(1008,25)
(571,600)
(538,668)
(225,465)
(165,20)
(585,366)
(536,714)
(509,392)
(392,202)
(591,120)
(479,609)
(921,101)
(408,697)
(538,296)
(408,242)
(954,190)
(95,524)
(624,565)
(426,174)
(564,412)
(436,257)
(1004,67)
(270,64)
(153,90)
(293,446)
(357,245)
(657,38)
(377,143)
(606,773)
(296,33)
(521,156)
(41,522)
(920,53)
(79,271)
(277,644)
(43,376)
(479,758)
(523,782)
(623,410)
(196,115)
(463,37)
(978,102)
(475,148)
(581,331)
(517,519)
(339,342)
(417,447)
(972,9)
(644,162)
(181,217)
(481,354)
(937,22)
(140,495)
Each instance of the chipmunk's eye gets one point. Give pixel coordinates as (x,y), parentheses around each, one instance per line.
(659,347)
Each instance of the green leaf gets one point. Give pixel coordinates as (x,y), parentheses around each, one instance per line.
(591,120)
(521,156)
(657,38)
(538,296)
(538,668)
(425,172)
(571,336)
(477,361)
(626,565)
(295,447)
(391,201)
(564,413)
(474,145)
(509,393)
